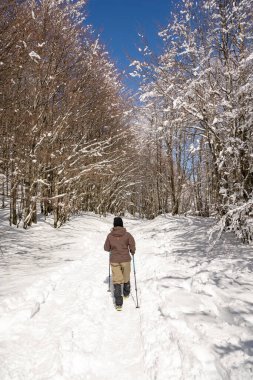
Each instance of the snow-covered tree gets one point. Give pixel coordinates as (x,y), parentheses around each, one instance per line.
(62,112)
(201,88)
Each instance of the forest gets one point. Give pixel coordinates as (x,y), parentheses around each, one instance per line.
(74,138)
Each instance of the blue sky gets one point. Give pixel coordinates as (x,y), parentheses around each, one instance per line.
(120,21)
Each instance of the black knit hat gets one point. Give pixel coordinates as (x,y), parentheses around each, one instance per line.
(118,222)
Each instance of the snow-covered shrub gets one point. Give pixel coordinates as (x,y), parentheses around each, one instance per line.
(240,221)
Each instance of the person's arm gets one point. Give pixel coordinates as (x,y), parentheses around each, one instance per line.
(107,245)
(132,247)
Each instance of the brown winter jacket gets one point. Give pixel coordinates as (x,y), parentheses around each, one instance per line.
(119,242)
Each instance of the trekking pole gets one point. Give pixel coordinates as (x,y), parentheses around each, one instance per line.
(137,306)
(1,250)
(109,282)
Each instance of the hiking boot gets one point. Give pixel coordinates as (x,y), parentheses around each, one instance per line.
(117,295)
(126,289)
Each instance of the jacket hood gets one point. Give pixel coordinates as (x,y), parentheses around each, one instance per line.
(118,231)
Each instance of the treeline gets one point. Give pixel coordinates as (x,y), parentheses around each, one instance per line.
(71,141)
(65,140)
(197,115)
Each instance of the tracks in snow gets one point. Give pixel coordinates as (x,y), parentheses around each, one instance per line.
(77,334)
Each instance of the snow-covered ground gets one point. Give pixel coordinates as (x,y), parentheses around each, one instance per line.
(57,320)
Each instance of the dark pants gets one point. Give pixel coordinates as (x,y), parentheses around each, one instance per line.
(118,292)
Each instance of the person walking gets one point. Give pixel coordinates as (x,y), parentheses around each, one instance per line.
(120,244)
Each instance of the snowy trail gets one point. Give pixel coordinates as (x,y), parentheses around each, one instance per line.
(77,333)
(57,320)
